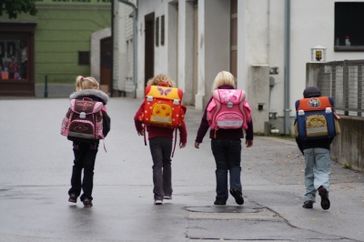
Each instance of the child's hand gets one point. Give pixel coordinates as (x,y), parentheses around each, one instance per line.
(248,143)
(197,145)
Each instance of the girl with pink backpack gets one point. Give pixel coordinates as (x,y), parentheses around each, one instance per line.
(85,123)
(228,116)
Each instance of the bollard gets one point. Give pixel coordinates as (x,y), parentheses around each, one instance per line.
(46,86)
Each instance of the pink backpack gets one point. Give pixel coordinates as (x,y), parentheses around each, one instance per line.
(228,109)
(84,120)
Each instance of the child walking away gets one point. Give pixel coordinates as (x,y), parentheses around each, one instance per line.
(160,114)
(86,122)
(228,115)
(316,126)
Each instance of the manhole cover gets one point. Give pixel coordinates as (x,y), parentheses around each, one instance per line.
(232,212)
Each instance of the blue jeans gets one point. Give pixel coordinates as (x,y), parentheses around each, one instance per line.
(317,171)
(161,148)
(227,154)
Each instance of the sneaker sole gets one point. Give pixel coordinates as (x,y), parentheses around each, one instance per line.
(238,197)
(325,202)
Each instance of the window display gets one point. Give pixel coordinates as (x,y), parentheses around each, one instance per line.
(13,59)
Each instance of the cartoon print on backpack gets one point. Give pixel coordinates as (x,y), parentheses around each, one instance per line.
(163,107)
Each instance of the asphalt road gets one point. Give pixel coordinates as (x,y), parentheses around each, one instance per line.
(36,163)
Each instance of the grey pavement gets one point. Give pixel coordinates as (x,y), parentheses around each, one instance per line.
(36,163)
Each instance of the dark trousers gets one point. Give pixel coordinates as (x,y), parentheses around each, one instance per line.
(85,155)
(161,149)
(227,154)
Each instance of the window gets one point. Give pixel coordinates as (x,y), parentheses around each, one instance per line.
(84,57)
(349,35)
(13,59)
(157,31)
(162,30)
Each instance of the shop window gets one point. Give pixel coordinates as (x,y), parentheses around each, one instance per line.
(84,57)
(13,59)
(349,35)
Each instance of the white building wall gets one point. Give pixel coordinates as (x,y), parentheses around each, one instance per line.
(123,33)
(260,43)
(160,53)
(313,23)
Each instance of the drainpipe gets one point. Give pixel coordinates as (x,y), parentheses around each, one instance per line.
(111,89)
(135,41)
(287,52)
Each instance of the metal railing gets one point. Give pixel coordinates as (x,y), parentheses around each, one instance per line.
(343,80)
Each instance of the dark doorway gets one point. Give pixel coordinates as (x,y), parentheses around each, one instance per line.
(149,47)
(106,64)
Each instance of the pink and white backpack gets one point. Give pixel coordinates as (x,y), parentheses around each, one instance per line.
(84,120)
(228,109)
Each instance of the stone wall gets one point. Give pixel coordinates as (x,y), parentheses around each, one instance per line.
(348,147)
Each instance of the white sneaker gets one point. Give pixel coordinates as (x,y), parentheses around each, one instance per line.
(158,202)
(168,197)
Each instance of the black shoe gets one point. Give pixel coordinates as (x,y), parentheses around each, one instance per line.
(220,202)
(237,195)
(72,198)
(324,194)
(87,203)
(308,204)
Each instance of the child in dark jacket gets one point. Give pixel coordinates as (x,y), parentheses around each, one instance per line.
(226,148)
(160,143)
(317,161)
(85,150)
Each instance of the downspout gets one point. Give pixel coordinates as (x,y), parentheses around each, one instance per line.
(111,89)
(135,41)
(287,52)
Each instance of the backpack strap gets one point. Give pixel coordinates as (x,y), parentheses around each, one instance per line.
(175,142)
(145,136)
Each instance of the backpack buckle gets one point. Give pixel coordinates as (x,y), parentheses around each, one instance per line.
(229,104)
(175,101)
(82,115)
(149,98)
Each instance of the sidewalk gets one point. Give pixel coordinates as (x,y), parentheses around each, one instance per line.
(36,166)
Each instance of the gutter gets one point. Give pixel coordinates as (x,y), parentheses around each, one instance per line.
(287,53)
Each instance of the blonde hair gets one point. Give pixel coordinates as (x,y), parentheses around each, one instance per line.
(88,82)
(160,80)
(223,78)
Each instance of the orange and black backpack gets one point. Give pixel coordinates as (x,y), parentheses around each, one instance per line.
(316,119)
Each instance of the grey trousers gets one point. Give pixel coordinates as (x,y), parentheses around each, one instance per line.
(161,148)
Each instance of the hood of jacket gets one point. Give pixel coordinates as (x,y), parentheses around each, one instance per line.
(91,92)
